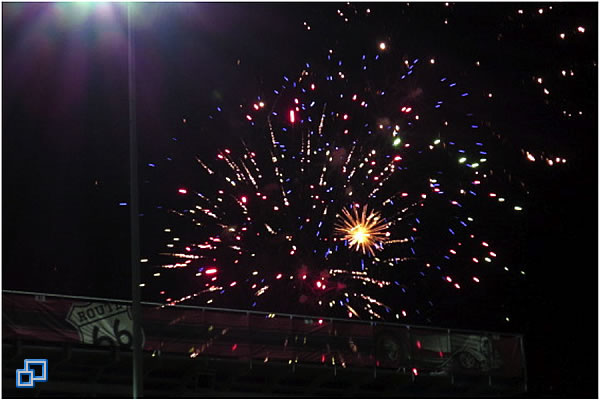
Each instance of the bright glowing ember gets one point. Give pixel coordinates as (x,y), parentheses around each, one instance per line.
(363,230)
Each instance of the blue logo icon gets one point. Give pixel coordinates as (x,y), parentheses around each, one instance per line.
(26,377)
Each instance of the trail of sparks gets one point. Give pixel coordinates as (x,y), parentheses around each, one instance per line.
(291,216)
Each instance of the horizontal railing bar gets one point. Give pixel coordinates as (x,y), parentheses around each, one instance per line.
(381,323)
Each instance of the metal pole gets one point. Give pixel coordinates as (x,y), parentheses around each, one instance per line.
(134,218)
(374,350)
(491,353)
(411,354)
(524,362)
(451,358)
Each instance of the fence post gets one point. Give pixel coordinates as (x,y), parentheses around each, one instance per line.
(250,346)
(410,355)
(373,324)
(491,351)
(450,367)
(333,340)
(524,361)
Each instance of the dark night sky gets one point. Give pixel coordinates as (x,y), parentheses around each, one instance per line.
(65,138)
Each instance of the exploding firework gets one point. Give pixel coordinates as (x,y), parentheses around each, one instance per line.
(361,231)
(356,192)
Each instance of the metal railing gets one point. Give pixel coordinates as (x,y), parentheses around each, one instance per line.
(340,343)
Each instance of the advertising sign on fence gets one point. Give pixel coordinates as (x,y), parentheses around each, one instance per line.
(263,336)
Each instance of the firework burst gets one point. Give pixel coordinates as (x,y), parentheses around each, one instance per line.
(278,223)
(362,231)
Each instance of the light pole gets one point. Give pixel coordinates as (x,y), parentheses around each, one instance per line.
(136,310)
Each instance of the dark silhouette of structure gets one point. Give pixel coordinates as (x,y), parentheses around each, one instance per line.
(208,352)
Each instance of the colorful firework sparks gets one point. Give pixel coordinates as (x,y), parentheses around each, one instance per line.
(335,163)
(362,231)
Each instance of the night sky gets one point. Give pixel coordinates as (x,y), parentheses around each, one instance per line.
(65,180)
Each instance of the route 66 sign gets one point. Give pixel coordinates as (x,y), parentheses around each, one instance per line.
(102,323)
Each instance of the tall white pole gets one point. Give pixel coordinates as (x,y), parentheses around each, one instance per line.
(134,218)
